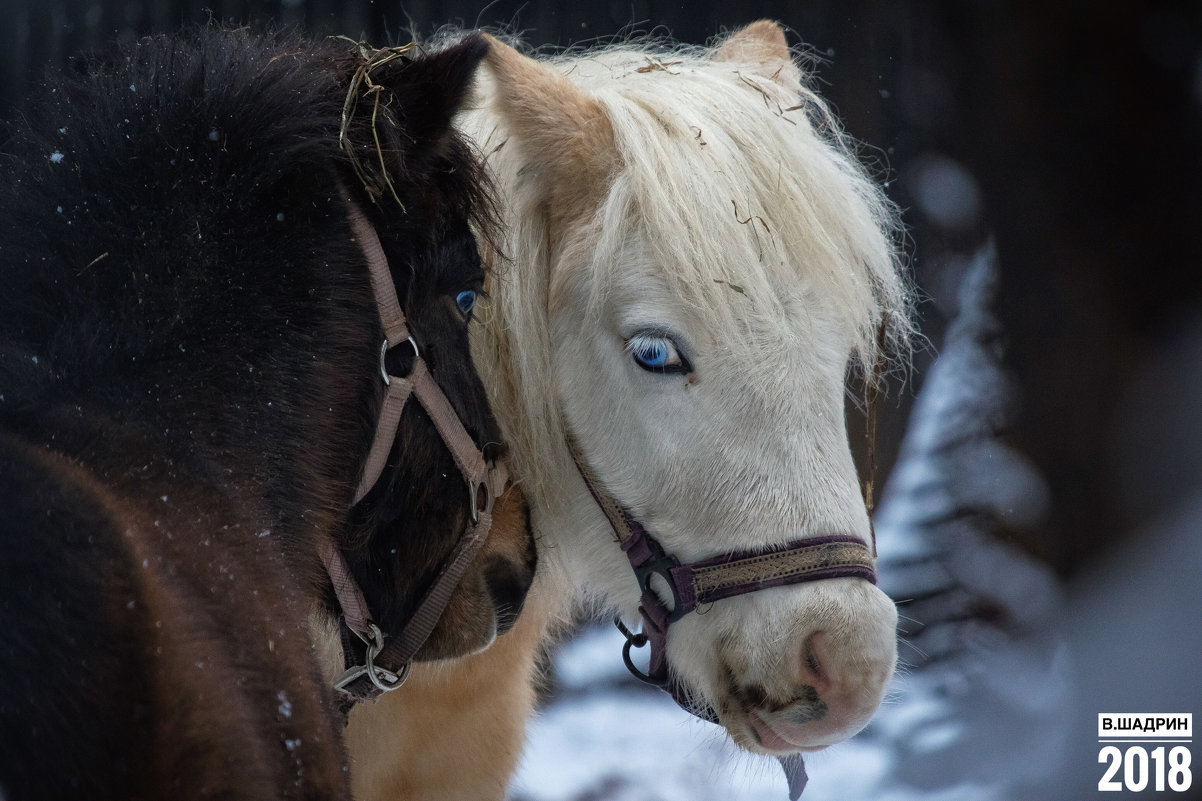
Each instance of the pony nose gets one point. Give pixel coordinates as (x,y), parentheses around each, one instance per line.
(835,689)
(848,679)
(507,586)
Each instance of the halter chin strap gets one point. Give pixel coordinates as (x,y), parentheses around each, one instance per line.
(699,583)
(384,667)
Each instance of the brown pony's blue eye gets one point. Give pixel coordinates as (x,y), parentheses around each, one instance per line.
(466,301)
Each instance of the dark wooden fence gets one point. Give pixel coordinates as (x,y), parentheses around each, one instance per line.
(37,33)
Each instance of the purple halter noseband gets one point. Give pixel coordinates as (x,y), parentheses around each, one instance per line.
(738,573)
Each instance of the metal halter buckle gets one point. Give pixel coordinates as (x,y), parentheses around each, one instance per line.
(384,679)
(660,564)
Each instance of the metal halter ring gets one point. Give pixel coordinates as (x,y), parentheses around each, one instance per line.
(473,492)
(384,352)
(392,681)
(634,640)
(384,679)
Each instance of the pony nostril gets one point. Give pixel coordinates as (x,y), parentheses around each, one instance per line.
(812,660)
(507,586)
(755,696)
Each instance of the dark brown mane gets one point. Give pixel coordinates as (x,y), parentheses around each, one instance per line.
(188,362)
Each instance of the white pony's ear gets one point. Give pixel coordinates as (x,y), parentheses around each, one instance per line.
(564,130)
(762,46)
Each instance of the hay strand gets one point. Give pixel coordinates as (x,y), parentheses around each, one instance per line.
(362,85)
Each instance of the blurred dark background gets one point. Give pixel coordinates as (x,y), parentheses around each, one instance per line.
(1068,133)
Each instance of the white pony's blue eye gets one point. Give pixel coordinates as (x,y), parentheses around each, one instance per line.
(656,353)
(466,301)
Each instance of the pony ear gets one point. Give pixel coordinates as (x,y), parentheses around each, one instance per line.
(762,46)
(565,129)
(432,88)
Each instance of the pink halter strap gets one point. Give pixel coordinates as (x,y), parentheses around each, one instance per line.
(385,666)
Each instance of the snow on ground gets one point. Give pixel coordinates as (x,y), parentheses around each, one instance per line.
(620,741)
(609,737)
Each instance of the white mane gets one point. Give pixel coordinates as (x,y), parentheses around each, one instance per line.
(720,166)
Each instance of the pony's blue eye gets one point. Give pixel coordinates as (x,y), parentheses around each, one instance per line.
(466,301)
(656,353)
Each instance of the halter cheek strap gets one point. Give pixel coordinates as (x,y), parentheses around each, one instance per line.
(384,666)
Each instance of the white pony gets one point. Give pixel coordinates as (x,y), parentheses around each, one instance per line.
(693,262)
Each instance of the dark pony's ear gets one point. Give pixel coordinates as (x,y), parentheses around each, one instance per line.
(432,88)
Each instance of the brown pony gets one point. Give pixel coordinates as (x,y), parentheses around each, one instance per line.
(189,387)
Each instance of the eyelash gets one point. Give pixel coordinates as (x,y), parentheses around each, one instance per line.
(657,353)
